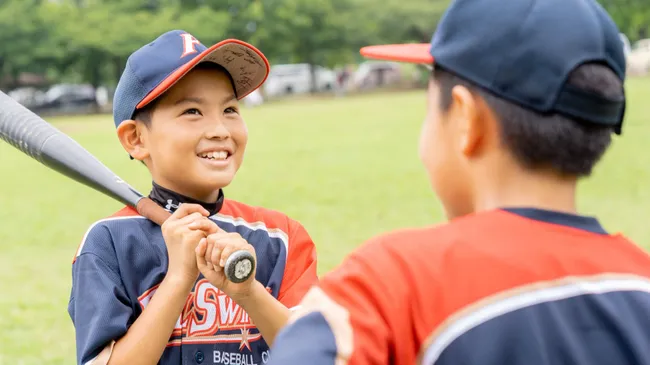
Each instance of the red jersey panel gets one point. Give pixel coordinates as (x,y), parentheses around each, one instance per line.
(519,286)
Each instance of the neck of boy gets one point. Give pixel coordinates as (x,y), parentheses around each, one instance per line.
(171,200)
(539,189)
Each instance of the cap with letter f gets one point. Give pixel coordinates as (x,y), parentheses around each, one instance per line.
(523,51)
(157,66)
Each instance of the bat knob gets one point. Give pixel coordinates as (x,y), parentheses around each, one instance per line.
(239,266)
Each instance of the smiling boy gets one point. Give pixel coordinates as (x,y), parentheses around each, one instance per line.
(137,295)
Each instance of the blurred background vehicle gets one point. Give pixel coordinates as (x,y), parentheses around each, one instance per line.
(373,74)
(292,79)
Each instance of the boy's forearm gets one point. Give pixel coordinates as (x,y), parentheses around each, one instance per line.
(268,314)
(146,339)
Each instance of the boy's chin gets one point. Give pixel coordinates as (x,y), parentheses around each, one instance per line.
(217,182)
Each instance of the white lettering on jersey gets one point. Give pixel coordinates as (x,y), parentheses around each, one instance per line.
(232,358)
(208,311)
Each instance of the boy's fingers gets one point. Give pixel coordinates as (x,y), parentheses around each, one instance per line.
(216,255)
(201,248)
(208,254)
(187,209)
(188,219)
(204,224)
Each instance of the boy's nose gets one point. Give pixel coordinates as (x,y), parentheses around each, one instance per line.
(217,130)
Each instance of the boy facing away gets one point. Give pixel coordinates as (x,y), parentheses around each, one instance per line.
(522,103)
(144,294)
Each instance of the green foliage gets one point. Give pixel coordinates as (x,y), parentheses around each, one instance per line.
(631,16)
(90,40)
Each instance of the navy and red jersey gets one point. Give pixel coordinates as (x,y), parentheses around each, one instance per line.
(503,287)
(123,259)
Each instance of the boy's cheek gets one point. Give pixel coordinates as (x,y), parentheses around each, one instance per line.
(426,143)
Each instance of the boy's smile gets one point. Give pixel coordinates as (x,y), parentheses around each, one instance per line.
(217,157)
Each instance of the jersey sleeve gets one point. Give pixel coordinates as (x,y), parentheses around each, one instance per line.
(99,305)
(300,271)
(345,319)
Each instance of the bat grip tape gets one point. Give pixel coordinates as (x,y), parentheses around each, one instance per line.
(149,209)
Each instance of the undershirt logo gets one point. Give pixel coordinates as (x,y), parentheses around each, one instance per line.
(171,206)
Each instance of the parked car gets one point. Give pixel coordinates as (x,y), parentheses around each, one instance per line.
(29,97)
(373,74)
(290,79)
(69,99)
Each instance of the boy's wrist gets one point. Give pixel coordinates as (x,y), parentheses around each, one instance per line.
(183,282)
(257,292)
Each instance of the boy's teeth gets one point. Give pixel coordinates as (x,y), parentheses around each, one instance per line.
(221,155)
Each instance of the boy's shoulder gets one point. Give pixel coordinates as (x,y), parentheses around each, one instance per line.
(498,233)
(100,233)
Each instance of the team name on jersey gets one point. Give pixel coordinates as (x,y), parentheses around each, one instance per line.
(209,316)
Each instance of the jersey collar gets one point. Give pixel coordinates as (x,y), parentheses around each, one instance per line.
(585,223)
(170,200)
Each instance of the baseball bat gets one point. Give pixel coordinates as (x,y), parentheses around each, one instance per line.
(32,135)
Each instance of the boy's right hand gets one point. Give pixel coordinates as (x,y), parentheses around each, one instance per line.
(181,238)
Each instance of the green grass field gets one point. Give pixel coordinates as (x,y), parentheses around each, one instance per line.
(346,168)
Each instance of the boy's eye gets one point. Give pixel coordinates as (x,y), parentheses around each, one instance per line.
(230,110)
(192,111)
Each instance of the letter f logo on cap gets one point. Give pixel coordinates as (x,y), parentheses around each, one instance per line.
(189,43)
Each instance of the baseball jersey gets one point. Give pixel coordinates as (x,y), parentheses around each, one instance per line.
(122,260)
(503,287)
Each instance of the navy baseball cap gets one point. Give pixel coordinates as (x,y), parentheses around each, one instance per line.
(157,66)
(524,51)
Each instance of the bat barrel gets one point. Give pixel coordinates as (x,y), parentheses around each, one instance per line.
(23,129)
(29,133)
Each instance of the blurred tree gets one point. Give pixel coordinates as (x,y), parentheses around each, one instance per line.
(23,36)
(90,40)
(631,16)
(401,20)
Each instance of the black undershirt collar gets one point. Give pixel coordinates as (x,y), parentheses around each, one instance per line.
(589,224)
(170,200)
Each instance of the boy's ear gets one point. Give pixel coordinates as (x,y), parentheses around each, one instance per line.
(468,110)
(131,136)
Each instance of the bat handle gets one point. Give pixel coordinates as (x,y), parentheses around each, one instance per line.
(154,212)
(239,266)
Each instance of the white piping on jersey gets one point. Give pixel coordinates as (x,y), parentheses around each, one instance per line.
(597,284)
(83,241)
(272,232)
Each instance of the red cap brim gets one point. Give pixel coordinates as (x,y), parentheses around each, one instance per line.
(411,53)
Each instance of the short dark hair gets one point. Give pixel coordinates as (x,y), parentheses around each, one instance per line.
(568,146)
(145,114)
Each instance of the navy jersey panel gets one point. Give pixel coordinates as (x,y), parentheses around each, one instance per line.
(594,329)
(121,262)
(310,337)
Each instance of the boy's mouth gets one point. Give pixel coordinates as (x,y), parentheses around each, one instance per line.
(215,155)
